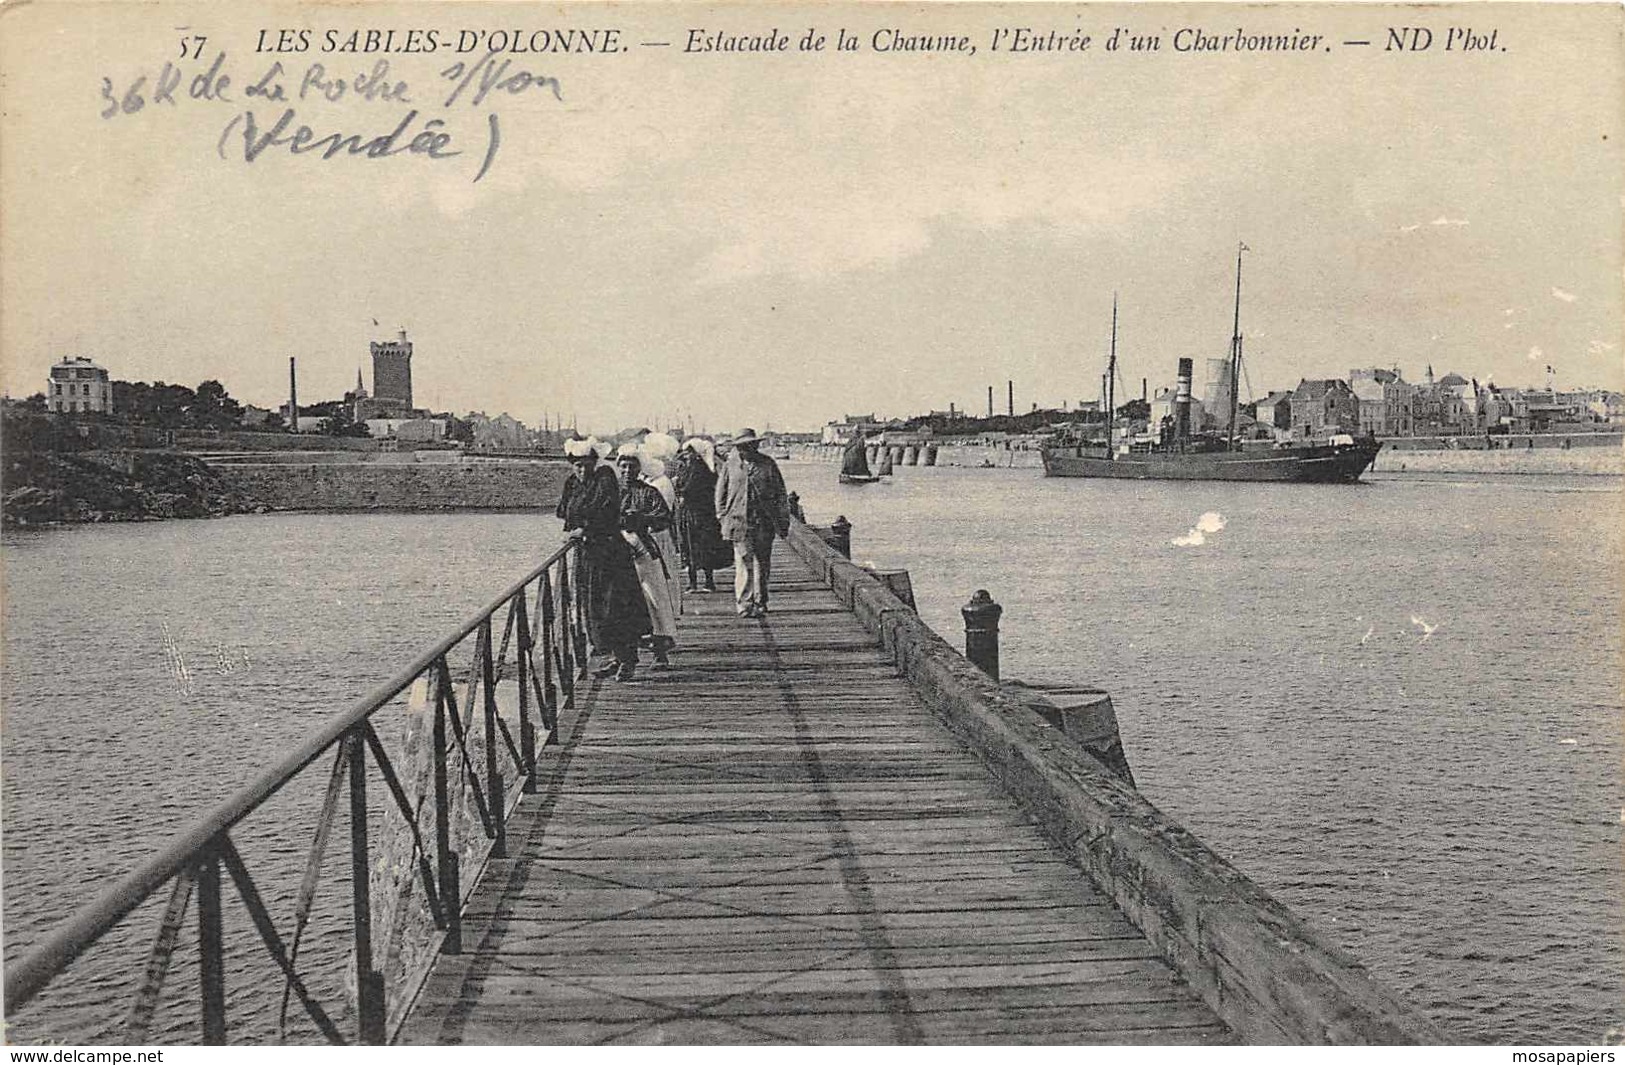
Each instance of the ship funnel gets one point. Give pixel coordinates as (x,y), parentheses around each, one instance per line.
(1182,402)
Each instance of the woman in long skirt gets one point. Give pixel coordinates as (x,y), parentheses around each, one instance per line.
(698,531)
(644,516)
(659,451)
(607,582)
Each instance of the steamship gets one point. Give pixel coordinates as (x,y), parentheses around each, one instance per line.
(1182,455)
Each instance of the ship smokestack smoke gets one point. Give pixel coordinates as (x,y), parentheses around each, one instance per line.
(1182,402)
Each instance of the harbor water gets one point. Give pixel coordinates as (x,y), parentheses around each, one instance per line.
(1397,706)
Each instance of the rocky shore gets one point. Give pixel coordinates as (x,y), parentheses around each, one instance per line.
(51,487)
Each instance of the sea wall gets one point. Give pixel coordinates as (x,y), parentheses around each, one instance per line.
(973,455)
(399,486)
(1521,459)
(1271,977)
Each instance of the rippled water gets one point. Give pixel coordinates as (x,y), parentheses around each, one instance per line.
(110,746)
(1446,806)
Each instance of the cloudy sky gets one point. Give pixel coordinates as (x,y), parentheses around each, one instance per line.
(779,239)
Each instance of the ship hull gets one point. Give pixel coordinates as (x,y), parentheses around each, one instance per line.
(1306,464)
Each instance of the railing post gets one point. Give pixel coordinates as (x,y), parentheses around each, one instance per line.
(493,772)
(527,730)
(982,632)
(545,620)
(369,984)
(841,533)
(445,858)
(211,949)
(566,660)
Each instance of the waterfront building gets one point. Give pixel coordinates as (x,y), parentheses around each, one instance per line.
(1324,407)
(78,385)
(1162,406)
(1275,412)
(502,433)
(839,432)
(405,430)
(1606,406)
(1385,401)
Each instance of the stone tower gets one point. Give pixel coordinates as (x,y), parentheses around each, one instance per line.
(392,374)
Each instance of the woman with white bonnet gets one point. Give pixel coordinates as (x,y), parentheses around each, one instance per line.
(590,507)
(644,516)
(659,451)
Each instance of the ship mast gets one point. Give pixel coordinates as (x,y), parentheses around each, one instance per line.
(1111,379)
(1235,352)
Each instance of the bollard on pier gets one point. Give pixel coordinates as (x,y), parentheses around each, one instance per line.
(840,535)
(982,632)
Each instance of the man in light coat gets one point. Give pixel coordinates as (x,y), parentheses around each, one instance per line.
(752,508)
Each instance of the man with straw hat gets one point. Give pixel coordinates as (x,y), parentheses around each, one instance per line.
(752,508)
(591,510)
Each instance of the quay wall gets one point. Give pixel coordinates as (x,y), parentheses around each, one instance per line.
(399,486)
(1588,454)
(1267,974)
(1579,460)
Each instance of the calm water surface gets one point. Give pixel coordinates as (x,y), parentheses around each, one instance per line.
(1397,706)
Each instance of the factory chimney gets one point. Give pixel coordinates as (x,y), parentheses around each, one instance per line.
(293,394)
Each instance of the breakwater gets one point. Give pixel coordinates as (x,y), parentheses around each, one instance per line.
(1576,454)
(1585,454)
(972,456)
(402,486)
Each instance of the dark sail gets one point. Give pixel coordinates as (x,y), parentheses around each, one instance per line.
(855,462)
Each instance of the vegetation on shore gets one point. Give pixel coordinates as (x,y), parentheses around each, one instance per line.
(45,479)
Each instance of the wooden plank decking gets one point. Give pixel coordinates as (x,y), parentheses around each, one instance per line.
(776,842)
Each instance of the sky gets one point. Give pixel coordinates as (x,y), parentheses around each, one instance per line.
(778,240)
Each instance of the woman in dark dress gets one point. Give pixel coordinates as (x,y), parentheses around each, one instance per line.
(608,584)
(699,534)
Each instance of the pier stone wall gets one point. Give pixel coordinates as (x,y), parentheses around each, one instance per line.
(400,486)
(940,454)
(1266,973)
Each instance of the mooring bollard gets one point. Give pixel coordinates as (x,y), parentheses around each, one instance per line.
(794,501)
(982,632)
(841,535)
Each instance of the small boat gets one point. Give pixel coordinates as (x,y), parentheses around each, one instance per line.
(855,462)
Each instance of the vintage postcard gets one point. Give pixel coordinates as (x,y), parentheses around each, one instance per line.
(604,523)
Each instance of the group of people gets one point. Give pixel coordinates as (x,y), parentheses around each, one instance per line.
(723,503)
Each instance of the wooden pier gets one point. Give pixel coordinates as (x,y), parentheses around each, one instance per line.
(777,841)
(824,826)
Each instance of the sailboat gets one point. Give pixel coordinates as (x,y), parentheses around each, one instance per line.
(1185,455)
(855,462)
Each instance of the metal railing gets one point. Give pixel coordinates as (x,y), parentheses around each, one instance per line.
(544,619)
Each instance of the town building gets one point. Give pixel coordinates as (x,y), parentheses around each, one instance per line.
(839,432)
(1274,411)
(405,430)
(502,433)
(1162,406)
(1385,401)
(1324,407)
(78,385)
